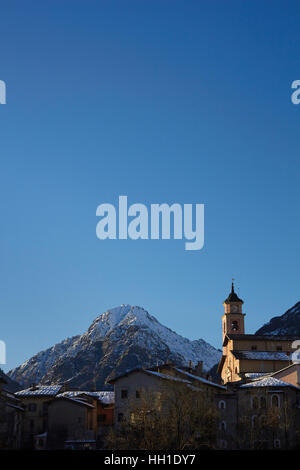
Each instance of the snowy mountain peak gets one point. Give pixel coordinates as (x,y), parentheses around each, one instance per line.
(117,317)
(120,339)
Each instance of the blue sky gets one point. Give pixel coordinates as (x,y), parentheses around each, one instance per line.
(162,101)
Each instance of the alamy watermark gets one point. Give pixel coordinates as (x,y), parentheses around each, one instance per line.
(296,94)
(2,92)
(296,354)
(117,226)
(2,352)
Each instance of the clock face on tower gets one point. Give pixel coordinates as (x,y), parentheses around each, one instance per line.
(234,308)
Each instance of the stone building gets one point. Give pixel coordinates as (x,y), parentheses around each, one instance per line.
(35,401)
(55,418)
(11,418)
(130,386)
(99,418)
(72,422)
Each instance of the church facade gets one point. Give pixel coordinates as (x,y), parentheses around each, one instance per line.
(246,356)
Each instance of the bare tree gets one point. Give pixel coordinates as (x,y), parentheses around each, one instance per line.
(178,417)
(264,423)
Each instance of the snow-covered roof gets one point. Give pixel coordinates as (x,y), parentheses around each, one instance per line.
(268,382)
(199,379)
(10,395)
(40,390)
(77,400)
(256,375)
(105,397)
(262,355)
(166,377)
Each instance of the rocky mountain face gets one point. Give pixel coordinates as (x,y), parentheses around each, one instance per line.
(119,340)
(287,324)
(9,384)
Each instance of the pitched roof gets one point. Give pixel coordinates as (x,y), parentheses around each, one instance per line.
(262,355)
(166,377)
(257,375)
(199,379)
(76,401)
(105,397)
(154,373)
(260,337)
(17,407)
(40,390)
(294,364)
(268,382)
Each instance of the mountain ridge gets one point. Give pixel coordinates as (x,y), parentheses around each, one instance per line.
(117,341)
(287,324)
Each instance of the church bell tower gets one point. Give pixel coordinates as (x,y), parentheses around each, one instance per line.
(233,318)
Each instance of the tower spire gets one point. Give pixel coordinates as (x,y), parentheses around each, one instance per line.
(233,296)
(233,318)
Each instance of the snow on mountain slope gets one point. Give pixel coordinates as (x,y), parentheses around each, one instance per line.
(118,340)
(42,361)
(287,324)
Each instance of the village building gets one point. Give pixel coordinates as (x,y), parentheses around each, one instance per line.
(57,419)
(130,387)
(11,418)
(97,422)
(35,401)
(72,422)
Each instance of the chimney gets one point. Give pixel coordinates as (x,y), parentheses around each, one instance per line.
(190,366)
(199,368)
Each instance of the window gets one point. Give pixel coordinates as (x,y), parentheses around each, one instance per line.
(101,418)
(234,325)
(275,401)
(263,402)
(254,403)
(279,348)
(31,424)
(137,394)
(222,426)
(120,417)
(124,393)
(222,405)
(277,444)
(254,421)
(254,347)
(263,420)
(32,407)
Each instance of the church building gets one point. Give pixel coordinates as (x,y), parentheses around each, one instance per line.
(247,356)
